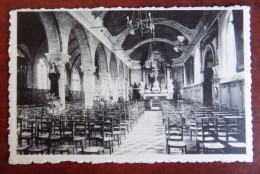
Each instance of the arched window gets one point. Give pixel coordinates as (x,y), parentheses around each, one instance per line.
(42,75)
(75,84)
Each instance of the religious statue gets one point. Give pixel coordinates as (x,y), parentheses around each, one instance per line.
(54,76)
(170,86)
(142,88)
(156,87)
(163,86)
(151,79)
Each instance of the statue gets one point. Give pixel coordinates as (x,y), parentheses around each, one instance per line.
(156,87)
(142,88)
(170,86)
(54,76)
(163,86)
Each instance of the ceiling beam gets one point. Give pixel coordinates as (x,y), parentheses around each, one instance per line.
(89,22)
(205,25)
(187,33)
(173,43)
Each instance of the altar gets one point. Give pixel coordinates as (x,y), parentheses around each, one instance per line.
(159,95)
(157,82)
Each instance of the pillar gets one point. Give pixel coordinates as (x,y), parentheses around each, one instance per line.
(115,88)
(104,84)
(89,83)
(168,81)
(60,59)
(126,83)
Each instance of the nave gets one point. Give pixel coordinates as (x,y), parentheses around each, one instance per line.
(129,129)
(118,82)
(147,137)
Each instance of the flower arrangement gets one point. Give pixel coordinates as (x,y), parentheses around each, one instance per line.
(52,101)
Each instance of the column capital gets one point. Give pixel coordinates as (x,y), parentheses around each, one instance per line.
(58,58)
(88,69)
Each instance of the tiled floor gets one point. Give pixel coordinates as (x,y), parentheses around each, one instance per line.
(147,136)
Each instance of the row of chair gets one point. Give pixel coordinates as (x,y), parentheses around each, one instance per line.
(63,133)
(217,131)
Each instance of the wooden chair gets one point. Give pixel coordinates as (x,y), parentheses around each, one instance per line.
(95,140)
(117,128)
(66,132)
(174,138)
(108,134)
(235,136)
(209,136)
(80,132)
(25,132)
(43,132)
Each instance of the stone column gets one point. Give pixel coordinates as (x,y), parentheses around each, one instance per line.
(60,59)
(115,88)
(143,73)
(184,76)
(126,84)
(89,83)
(169,82)
(104,84)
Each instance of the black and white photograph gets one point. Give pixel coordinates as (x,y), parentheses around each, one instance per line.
(130,85)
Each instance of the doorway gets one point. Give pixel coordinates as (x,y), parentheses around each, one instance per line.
(208,76)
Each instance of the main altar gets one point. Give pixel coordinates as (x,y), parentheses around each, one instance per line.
(157,80)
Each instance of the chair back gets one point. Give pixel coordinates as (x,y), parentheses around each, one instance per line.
(209,132)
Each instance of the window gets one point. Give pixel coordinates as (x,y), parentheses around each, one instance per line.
(75,84)
(238,26)
(42,75)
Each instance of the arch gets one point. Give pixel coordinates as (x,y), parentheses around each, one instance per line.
(83,43)
(187,33)
(23,51)
(209,54)
(113,67)
(51,29)
(64,30)
(102,59)
(208,64)
(173,43)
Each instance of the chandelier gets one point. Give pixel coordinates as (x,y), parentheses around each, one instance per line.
(140,23)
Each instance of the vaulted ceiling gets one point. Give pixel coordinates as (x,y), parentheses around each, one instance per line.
(31,31)
(112,25)
(168,26)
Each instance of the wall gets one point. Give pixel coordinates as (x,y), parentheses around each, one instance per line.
(27,96)
(227,82)
(193,93)
(232,95)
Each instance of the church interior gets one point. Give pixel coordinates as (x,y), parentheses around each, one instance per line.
(119,82)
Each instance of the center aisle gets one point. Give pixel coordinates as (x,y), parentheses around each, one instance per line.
(147,136)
